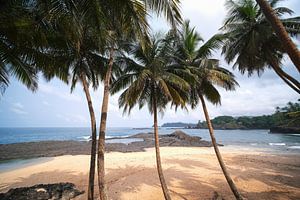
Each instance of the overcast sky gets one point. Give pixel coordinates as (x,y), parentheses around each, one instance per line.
(53,105)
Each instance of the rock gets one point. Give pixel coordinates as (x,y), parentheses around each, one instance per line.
(183,136)
(282,129)
(142,135)
(57,191)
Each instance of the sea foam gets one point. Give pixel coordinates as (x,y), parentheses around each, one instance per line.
(294,147)
(277,144)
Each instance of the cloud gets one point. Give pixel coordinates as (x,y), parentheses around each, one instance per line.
(18,108)
(48,89)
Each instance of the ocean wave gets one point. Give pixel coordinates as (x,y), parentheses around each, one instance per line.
(85,138)
(294,147)
(253,144)
(116,136)
(89,138)
(295,134)
(277,144)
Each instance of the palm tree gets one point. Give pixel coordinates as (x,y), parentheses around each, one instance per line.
(84,60)
(189,55)
(279,28)
(124,19)
(75,44)
(148,79)
(251,42)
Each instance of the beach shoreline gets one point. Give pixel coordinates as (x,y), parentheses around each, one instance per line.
(191,173)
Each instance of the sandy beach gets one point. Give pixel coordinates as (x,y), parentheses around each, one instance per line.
(191,173)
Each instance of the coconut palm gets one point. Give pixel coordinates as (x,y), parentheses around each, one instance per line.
(148,79)
(210,74)
(74,43)
(251,42)
(194,57)
(279,28)
(124,20)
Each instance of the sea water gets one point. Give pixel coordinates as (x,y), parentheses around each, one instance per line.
(236,138)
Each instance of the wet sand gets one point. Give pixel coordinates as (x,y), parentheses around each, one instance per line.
(191,173)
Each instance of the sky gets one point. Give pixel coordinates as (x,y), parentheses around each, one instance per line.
(54,106)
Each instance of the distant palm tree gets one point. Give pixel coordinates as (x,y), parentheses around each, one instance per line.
(194,57)
(148,79)
(278,27)
(251,42)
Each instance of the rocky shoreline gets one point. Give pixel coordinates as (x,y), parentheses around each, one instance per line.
(58,148)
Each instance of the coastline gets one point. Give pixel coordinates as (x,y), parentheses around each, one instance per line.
(191,173)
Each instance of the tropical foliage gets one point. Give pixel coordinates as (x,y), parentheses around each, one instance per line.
(148,78)
(207,73)
(251,44)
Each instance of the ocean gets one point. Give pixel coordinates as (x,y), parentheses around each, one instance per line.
(235,138)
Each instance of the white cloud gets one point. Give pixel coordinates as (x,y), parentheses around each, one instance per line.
(18,108)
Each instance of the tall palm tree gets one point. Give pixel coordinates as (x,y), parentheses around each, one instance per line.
(194,57)
(148,79)
(252,43)
(83,61)
(279,28)
(75,43)
(124,19)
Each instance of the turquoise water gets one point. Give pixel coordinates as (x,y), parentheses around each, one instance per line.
(245,138)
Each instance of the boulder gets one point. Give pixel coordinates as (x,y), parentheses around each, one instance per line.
(57,191)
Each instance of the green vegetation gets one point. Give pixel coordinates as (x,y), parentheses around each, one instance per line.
(287,116)
(251,44)
(149,79)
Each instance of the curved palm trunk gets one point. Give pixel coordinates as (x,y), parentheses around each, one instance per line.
(94,138)
(157,152)
(277,25)
(289,80)
(218,154)
(101,140)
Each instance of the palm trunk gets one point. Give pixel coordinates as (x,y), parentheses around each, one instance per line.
(289,80)
(157,151)
(280,31)
(218,154)
(101,141)
(94,138)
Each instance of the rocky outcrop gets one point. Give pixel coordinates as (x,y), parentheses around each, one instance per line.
(57,191)
(58,148)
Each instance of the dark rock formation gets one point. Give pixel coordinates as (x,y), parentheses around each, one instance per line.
(57,191)
(58,148)
(282,129)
